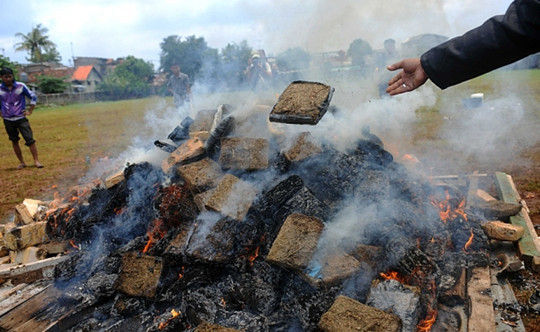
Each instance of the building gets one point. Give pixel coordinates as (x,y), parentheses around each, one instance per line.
(86,79)
(103,66)
(30,73)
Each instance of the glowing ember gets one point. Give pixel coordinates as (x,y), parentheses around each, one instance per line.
(181,273)
(223,303)
(469,242)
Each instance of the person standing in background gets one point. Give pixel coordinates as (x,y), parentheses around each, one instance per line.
(178,85)
(14,113)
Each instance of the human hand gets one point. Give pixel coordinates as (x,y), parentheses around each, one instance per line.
(30,110)
(411,77)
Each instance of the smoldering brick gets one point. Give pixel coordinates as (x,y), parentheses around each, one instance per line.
(243,153)
(201,199)
(232,197)
(191,150)
(347,314)
(25,236)
(499,230)
(296,242)
(496,209)
(403,301)
(203,121)
(302,148)
(139,274)
(27,211)
(201,175)
(217,245)
(207,327)
(178,245)
(333,268)
(367,254)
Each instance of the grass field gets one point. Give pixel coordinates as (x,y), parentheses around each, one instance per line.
(72,138)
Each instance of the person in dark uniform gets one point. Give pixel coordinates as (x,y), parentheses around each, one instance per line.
(501,40)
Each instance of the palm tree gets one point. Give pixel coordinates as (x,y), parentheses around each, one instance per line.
(35,42)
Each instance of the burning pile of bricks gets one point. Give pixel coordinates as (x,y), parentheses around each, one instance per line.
(234,233)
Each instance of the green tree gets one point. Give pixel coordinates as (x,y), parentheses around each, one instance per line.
(131,78)
(38,45)
(6,63)
(234,60)
(190,54)
(293,59)
(49,84)
(358,50)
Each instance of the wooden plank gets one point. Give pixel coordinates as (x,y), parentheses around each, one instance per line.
(529,244)
(20,297)
(42,269)
(504,296)
(442,177)
(481,314)
(26,311)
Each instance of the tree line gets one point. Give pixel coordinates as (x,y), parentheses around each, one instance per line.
(203,64)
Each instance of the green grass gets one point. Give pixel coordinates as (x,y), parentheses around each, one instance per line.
(66,136)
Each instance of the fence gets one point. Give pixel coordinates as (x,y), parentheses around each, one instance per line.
(69,98)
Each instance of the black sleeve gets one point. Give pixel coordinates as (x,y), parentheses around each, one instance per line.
(499,41)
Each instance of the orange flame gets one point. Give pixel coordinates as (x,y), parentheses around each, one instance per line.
(174,314)
(181,273)
(446,211)
(426,323)
(252,258)
(469,242)
(223,303)
(72,243)
(154,235)
(392,275)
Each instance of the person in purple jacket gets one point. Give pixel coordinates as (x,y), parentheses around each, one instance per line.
(13,107)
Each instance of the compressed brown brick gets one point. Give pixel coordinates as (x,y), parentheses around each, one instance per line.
(203,135)
(207,327)
(347,314)
(302,148)
(27,255)
(232,197)
(139,275)
(203,121)
(201,199)
(201,175)
(499,230)
(242,153)
(178,245)
(114,179)
(189,151)
(296,242)
(334,268)
(367,254)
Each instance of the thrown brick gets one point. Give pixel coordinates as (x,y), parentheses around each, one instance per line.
(347,314)
(201,175)
(232,197)
(302,148)
(296,242)
(26,236)
(243,153)
(499,230)
(139,275)
(190,150)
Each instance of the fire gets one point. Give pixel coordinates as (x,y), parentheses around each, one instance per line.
(181,273)
(469,242)
(155,234)
(392,275)
(174,314)
(426,323)
(223,303)
(252,257)
(72,243)
(446,211)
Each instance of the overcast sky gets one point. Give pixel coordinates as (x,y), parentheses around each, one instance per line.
(117,28)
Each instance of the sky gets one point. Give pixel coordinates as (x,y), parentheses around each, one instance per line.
(117,28)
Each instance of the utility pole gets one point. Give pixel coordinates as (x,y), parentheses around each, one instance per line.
(72,54)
